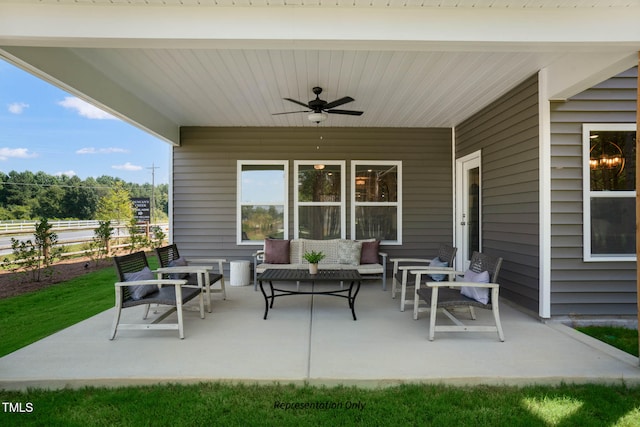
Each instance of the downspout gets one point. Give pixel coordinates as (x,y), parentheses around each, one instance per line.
(544,131)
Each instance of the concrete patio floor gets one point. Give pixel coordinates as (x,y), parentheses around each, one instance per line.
(314,340)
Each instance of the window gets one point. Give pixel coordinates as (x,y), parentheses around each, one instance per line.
(376,206)
(262,200)
(609,192)
(319,200)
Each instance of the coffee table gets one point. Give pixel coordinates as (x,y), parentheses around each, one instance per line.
(324,277)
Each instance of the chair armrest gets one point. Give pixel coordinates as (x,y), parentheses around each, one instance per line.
(160,282)
(424,268)
(409,260)
(205,260)
(198,269)
(258,255)
(198,261)
(459,284)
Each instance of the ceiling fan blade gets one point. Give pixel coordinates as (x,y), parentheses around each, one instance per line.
(290,112)
(338,102)
(347,112)
(298,102)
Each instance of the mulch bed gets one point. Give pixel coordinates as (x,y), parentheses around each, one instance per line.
(14,284)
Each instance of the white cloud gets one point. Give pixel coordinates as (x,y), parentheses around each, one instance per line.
(127,167)
(85,109)
(108,150)
(68,173)
(17,107)
(15,153)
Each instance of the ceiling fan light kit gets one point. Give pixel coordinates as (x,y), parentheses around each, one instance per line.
(317,117)
(319,109)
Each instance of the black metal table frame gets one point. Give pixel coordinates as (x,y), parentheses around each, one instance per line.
(285,275)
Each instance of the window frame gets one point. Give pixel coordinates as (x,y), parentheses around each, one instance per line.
(397,204)
(240,204)
(297,203)
(588,194)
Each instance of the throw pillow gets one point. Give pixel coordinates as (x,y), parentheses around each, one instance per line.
(479,294)
(437,262)
(276,251)
(140,291)
(369,253)
(178,262)
(349,252)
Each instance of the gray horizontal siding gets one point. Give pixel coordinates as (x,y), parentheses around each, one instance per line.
(593,288)
(204,180)
(507,133)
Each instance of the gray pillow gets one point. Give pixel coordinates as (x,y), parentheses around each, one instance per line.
(479,294)
(178,262)
(437,262)
(140,291)
(349,252)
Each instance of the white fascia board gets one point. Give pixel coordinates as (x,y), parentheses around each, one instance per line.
(167,26)
(56,65)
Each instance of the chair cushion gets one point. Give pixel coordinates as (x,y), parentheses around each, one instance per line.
(140,291)
(437,262)
(349,252)
(369,253)
(479,294)
(178,262)
(276,251)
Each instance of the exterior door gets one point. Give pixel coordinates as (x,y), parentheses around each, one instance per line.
(468,208)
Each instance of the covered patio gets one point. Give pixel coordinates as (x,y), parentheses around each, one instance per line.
(315,341)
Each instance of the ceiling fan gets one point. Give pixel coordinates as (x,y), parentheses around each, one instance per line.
(318,108)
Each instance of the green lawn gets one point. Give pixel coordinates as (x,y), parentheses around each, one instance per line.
(287,405)
(622,338)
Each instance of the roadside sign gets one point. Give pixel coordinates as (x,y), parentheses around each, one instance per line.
(142,208)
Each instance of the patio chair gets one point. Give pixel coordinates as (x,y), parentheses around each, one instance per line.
(477,288)
(138,286)
(179,267)
(403,266)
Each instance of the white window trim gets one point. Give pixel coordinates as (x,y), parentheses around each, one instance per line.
(239,203)
(341,203)
(398,204)
(587,194)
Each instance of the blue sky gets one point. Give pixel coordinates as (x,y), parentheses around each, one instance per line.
(43,128)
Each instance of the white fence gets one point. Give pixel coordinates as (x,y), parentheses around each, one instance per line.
(29,226)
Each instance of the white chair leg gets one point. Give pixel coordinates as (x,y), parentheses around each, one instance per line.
(179,311)
(432,317)
(496,312)
(403,290)
(116,320)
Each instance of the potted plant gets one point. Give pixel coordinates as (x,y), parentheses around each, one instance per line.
(313,258)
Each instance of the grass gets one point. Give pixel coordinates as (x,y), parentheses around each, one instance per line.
(288,405)
(622,338)
(30,317)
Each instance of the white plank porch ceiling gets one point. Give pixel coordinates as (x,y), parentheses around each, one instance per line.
(244,87)
(394,88)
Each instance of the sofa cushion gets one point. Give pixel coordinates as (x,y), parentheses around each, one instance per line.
(328,247)
(370,251)
(276,251)
(349,252)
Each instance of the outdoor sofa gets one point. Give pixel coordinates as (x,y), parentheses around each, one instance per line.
(361,255)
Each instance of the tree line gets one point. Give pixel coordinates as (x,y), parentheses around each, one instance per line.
(29,196)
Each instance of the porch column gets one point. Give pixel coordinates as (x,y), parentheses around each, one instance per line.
(638,200)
